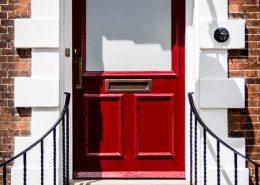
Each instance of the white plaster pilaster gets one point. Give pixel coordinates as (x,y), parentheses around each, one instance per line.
(41,90)
(215,91)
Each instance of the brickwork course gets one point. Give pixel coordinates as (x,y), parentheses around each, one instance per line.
(246,63)
(13,62)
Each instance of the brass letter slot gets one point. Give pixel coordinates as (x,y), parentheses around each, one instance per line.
(128,85)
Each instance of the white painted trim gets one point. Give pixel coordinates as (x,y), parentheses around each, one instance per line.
(65,38)
(190,71)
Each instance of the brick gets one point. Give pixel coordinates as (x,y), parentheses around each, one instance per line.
(8,51)
(6,8)
(3,1)
(3,15)
(7,22)
(251,8)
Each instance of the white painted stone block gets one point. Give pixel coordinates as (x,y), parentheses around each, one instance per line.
(222,93)
(34,155)
(42,120)
(216,120)
(45,63)
(236,30)
(36,92)
(33,177)
(227,176)
(211,9)
(213,63)
(226,155)
(36,33)
(45,9)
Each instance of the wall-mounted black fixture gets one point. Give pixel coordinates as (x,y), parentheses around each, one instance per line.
(221,35)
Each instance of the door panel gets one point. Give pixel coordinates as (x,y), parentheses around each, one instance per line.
(128,117)
(125,35)
(105,111)
(154,127)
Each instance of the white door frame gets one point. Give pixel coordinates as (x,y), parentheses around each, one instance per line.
(191,61)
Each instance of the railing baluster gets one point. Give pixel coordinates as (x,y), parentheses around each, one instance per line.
(191,147)
(42,162)
(54,157)
(67,152)
(256,175)
(196,151)
(25,168)
(40,142)
(235,161)
(208,131)
(205,155)
(218,163)
(4,174)
(63,151)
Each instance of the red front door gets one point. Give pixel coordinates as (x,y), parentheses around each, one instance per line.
(128,89)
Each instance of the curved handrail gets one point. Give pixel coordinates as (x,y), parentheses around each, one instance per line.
(64,111)
(194,110)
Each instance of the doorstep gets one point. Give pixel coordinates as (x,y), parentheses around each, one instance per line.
(129,182)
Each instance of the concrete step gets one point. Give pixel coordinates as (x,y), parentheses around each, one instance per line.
(129,182)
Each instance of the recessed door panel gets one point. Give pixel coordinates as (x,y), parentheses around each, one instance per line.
(103,115)
(154,119)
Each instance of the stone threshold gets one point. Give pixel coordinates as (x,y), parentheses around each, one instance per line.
(129,182)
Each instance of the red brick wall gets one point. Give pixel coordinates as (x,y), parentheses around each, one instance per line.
(13,63)
(246,63)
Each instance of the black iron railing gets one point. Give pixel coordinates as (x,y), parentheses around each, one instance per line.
(63,120)
(194,156)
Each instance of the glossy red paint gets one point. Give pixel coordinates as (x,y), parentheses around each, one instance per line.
(129,135)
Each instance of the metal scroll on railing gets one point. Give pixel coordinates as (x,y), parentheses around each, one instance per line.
(194,156)
(63,120)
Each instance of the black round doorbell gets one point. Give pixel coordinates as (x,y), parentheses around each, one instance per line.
(221,35)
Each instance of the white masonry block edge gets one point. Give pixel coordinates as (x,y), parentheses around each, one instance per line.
(45,9)
(36,33)
(222,93)
(43,119)
(213,9)
(236,30)
(213,64)
(33,175)
(45,63)
(226,155)
(34,154)
(216,120)
(227,176)
(36,92)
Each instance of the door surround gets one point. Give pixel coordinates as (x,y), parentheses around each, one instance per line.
(191,60)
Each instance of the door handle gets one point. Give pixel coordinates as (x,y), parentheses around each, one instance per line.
(79,84)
